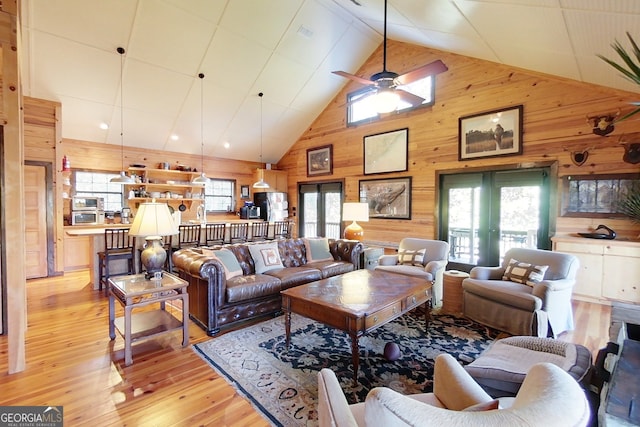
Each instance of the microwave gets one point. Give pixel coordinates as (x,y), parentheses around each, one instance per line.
(79,203)
(87,217)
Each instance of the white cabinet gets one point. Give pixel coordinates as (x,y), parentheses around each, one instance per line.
(609,269)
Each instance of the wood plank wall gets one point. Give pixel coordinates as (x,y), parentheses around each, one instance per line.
(555,124)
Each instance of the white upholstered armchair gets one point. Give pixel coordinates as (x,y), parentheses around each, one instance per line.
(529,294)
(419,257)
(548,397)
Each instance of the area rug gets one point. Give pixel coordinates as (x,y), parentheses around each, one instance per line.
(282,384)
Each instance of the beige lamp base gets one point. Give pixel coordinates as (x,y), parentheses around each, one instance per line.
(353,231)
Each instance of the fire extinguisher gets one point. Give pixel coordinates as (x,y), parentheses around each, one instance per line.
(66,165)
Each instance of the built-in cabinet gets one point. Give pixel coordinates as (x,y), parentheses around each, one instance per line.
(609,269)
(277,179)
(171,186)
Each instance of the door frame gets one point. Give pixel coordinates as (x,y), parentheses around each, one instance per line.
(50,206)
(553,189)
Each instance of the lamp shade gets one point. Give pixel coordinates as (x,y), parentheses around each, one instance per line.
(153,219)
(355,212)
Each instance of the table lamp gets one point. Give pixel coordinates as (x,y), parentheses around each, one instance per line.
(152,221)
(354,212)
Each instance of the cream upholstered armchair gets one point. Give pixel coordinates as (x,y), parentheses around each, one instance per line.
(529,294)
(419,257)
(548,397)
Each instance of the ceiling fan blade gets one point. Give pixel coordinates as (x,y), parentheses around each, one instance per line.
(435,67)
(409,97)
(369,92)
(353,77)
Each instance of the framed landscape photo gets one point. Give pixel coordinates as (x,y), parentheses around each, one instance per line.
(320,160)
(387,198)
(386,152)
(489,134)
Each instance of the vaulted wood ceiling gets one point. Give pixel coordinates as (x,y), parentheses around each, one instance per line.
(284,48)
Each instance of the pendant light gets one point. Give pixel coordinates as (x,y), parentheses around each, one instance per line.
(202,179)
(261,183)
(122,178)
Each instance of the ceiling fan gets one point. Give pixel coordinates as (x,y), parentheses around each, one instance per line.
(385,83)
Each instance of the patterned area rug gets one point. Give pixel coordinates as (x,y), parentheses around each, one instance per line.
(283,384)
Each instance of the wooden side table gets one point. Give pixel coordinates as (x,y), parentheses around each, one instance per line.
(135,291)
(452,291)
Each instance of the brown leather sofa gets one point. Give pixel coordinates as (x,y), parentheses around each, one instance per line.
(215,301)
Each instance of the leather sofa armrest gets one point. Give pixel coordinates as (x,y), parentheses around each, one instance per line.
(486,273)
(346,250)
(192,262)
(388,260)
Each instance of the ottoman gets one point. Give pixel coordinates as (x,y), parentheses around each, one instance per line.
(501,369)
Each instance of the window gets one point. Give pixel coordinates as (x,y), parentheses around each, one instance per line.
(361,108)
(97,184)
(218,195)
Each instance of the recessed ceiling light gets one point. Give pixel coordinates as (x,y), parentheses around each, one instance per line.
(175,137)
(226,145)
(104,126)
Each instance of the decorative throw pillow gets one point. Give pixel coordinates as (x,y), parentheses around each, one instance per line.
(227,259)
(317,249)
(484,406)
(525,273)
(265,257)
(407,257)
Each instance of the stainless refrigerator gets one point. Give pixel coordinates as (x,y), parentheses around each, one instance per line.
(273,206)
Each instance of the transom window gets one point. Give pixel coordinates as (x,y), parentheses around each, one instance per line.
(362,109)
(97,184)
(218,195)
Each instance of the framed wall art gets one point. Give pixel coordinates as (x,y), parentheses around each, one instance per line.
(320,160)
(244,191)
(386,152)
(489,134)
(387,198)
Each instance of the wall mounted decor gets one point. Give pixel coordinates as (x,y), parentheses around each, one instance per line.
(387,198)
(244,191)
(386,152)
(490,134)
(320,160)
(603,125)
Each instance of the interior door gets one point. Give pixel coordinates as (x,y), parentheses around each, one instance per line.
(35,221)
(320,210)
(485,214)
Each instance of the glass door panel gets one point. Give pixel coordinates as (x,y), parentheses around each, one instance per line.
(321,210)
(519,218)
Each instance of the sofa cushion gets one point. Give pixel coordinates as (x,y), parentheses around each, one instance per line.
(252,286)
(409,257)
(227,259)
(408,270)
(265,257)
(523,272)
(504,292)
(294,276)
(331,268)
(317,249)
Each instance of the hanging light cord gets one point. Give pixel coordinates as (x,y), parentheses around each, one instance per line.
(201,75)
(121,52)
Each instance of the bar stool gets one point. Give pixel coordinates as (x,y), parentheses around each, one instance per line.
(117,246)
(188,237)
(259,231)
(214,234)
(238,232)
(281,230)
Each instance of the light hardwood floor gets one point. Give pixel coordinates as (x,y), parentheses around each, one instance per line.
(71,362)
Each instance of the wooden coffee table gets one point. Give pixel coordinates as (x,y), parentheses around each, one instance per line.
(357,303)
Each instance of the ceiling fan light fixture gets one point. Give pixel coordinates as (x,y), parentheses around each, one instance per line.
(122,178)
(386,100)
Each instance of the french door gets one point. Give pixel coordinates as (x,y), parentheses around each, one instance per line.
(320,210)
(486,213)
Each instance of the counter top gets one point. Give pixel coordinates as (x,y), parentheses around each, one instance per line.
(585,240)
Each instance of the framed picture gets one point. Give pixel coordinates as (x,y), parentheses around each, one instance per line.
(244,191)
(387,198)
(386,152)
(490,134)
(320,160)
